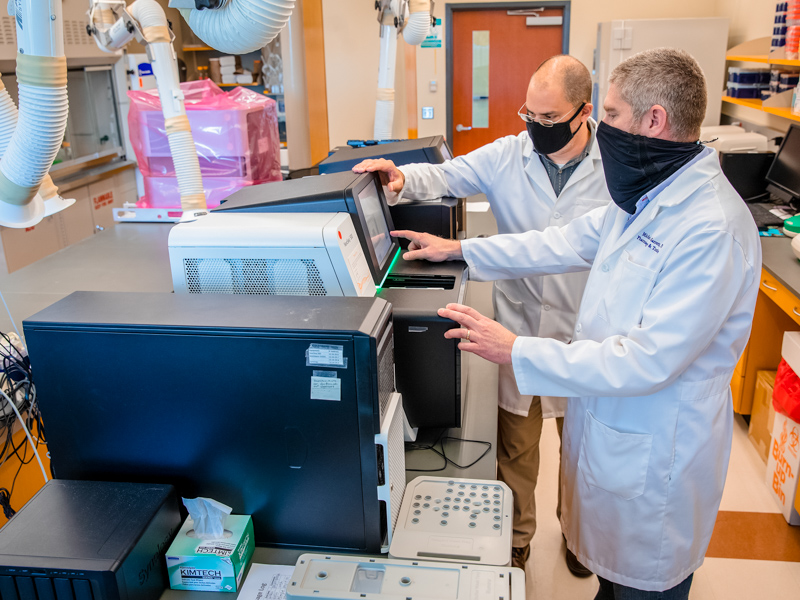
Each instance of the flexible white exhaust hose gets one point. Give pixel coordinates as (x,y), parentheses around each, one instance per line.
(38,136)
(8,119)
(30,153)
(240,26)
(153,23)
(184,156)
(419,22)
(384,103)
(42,118)
(48,192)
(384,119)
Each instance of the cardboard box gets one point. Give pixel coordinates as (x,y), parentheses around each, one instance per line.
(93,206)
(25,246)
(783,466)
(762,415)
(75,222)
(211,565)
(103,201)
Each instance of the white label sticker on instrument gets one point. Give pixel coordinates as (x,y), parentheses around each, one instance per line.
(326,388)
(325,355)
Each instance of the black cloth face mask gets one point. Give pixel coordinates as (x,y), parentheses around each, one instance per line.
(635,164)
(547,140)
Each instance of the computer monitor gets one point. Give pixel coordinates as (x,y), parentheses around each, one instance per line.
(783,177)
(747,172)
(432,150)
(360,195)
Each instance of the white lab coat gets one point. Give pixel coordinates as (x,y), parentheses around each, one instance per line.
(665,316)
(519,191)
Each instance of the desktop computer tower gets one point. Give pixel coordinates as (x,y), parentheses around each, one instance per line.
(427,365)
(283,408)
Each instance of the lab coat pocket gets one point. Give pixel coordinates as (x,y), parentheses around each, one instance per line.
(628,290)
(509,313)
(614,461)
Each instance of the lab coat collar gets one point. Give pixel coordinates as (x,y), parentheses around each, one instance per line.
(590,163)
(686,184)
(535,168)
(704,169)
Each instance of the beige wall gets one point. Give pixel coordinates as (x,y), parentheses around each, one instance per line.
(351,49)
(584,17)
(750,19)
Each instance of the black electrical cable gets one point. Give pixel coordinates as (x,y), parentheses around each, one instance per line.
(16,381)
(447,460)
(5,503)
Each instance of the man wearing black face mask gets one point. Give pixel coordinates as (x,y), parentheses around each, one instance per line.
(674,267)
(547,175)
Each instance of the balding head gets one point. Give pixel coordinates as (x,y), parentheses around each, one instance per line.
(565,75)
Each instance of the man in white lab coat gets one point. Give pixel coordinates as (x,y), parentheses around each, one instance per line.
(665,316)
(547,175)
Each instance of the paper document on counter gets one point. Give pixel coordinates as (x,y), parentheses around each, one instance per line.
(266,582)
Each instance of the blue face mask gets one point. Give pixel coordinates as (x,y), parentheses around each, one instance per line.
(635,164)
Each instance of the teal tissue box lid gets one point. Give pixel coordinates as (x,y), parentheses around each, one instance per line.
(211,565)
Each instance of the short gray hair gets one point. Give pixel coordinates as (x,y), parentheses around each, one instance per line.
(669,77)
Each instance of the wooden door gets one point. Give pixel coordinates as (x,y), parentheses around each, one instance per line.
(484,105)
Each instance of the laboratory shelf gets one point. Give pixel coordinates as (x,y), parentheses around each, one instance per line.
(783,112)
(756,58)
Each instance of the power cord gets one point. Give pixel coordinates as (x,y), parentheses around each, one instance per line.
(5,503)
(440,440)
(14,325)
(17,398)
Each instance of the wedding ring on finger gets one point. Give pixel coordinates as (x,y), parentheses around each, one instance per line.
(466,337)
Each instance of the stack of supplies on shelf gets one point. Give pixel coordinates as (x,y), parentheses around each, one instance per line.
(779,26)
(227,68)
(780,81)
(747,83)
(792,29)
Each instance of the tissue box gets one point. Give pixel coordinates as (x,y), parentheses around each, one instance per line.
(211,565)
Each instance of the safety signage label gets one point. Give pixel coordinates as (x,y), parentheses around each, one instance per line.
(434,39)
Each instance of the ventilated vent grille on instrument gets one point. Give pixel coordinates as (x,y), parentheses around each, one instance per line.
(386,376)
(259,276)
(8,31)
(75,33)
(397,464)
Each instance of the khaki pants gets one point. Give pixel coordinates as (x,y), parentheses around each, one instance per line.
(518,465)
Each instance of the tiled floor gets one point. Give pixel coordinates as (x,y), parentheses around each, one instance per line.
(719,578)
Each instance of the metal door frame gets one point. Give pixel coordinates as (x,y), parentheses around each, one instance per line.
(451,8)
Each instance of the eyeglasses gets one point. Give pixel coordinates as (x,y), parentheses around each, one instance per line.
(523,114)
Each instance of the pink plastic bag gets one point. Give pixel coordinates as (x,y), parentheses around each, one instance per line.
(235,133)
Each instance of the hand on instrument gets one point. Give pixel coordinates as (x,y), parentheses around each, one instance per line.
(429,247)
(479,335)
(391,176)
